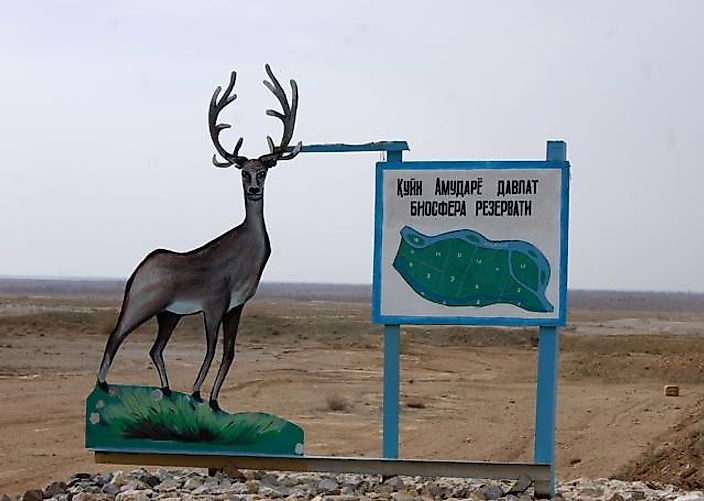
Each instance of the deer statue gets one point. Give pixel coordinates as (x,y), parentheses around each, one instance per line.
(217,278)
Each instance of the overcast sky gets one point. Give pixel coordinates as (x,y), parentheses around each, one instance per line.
(106,155)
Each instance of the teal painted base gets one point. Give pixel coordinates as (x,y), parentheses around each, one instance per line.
(143,419)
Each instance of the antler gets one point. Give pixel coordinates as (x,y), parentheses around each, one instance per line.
(215,128)
(288,118)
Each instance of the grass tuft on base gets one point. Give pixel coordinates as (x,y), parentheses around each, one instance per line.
(138,414)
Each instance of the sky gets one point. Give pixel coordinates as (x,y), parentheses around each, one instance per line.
(105,152)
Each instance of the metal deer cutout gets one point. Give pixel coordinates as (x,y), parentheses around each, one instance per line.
(218,278)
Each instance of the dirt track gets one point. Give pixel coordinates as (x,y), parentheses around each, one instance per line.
(466,393)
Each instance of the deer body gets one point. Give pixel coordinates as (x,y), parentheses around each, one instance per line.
(216,279)
(187,286)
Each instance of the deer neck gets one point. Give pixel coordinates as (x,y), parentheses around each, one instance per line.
(254,215)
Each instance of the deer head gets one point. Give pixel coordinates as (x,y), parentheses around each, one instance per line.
(254,170)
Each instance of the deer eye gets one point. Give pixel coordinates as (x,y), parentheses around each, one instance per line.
(261,176)
(246,176)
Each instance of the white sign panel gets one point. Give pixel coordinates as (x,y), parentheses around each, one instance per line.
(471,242)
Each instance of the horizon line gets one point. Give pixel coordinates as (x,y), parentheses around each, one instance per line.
(70,278)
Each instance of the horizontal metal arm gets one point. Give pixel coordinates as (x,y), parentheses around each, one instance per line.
(346,148)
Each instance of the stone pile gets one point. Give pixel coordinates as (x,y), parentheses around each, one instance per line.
(171,485)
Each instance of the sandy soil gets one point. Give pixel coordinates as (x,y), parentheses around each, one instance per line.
(466,393)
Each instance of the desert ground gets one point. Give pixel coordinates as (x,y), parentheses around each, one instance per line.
(311,355)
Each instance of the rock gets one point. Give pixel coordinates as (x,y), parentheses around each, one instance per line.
(363,487)
(476,495)
(102,479)
(238,488)
(87,496)
(235,474)
(327,485)
(225,484)
(252,486)
(268,492)
(404,496)
(396,483)
(521,485)
(433,489)
(691,496)
(150,480)
(289,480)
(592,490)
(5,497)
(111,489)
(298,493)
(193,483)
(33,495)
(134,485)
(134,495)
(460,491)
(493,491)
(54,489)
(255,474)
(270,479)
(168,484)
(119,479)
(203,489)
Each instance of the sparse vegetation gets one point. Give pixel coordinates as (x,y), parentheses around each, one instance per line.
(336,403)
(415,403)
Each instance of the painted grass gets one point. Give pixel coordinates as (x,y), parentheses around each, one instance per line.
(145,413)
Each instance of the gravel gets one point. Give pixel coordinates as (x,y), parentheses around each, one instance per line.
(171,485)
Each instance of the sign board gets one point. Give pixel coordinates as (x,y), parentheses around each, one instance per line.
(471,243)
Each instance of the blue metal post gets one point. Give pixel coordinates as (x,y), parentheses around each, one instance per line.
(546,400)
(548,362)
(392,349)
(392,356)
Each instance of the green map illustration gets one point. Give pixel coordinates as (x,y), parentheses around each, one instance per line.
(464,268)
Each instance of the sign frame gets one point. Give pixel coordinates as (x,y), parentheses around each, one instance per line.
(541,471)
(561,272)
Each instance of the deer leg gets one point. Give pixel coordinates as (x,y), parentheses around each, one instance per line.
(167,322)
(230,324)
(212,324)
(125,325)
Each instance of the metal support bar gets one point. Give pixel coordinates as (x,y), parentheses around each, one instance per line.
(343,147)
(546,400)
(539,473)
(392,370)
(548,363)
(387,146)
(392,353)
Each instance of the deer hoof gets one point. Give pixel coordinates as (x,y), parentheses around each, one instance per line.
(166,391)
(214,405)
(103,385)
(196,396)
